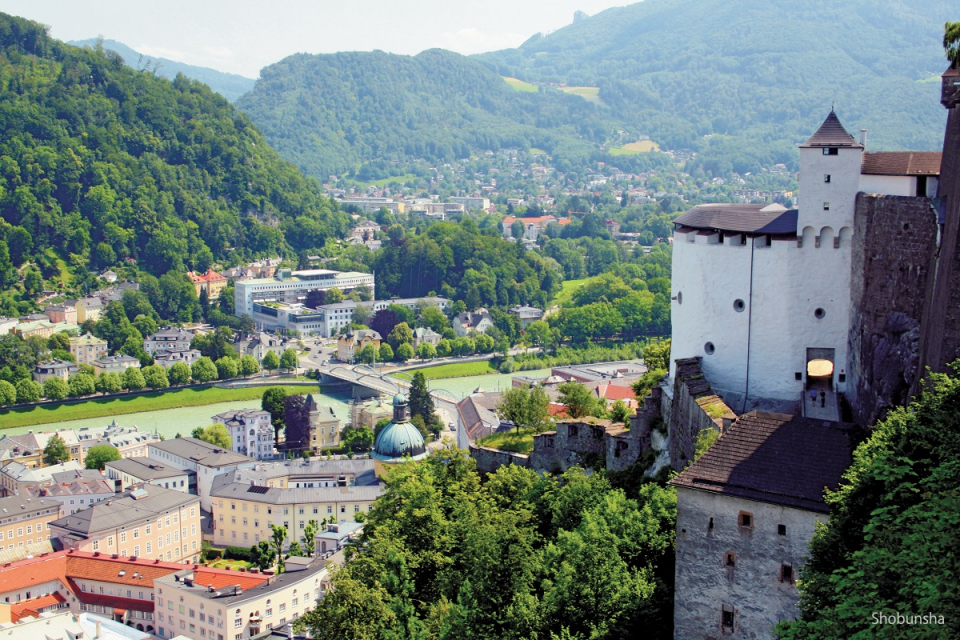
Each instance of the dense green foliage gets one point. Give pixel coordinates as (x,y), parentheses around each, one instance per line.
(330,113)
(518,556)
(98,456)
(891,543)
(230,85)
(759,73)
(100,163)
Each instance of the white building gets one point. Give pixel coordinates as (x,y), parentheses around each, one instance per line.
(327,320)
(207,460)
(168,339)
(901,173)
(292,287)
(759,291)
(472,202)
(130,471)
(251,432)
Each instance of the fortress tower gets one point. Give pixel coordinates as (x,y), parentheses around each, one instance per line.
(760,292)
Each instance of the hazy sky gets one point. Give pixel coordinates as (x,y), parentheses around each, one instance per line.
(242,36)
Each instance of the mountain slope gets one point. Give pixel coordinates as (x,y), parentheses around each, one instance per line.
(99,162)
(683,69)
(330,113)
(230,85)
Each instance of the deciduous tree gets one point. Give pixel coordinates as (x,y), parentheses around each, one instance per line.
(99,455)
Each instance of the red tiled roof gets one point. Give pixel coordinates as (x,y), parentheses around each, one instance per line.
(901,163)
(557,410)
(107,569)
(220,578)
(34,571)
(113,601)
(612,391)
(34,606)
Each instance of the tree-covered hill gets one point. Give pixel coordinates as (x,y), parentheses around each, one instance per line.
(100,163)
(331,113)
(230,85)
(679,70)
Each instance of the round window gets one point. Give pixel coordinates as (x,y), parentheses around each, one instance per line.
(739,305)
(709,348)
(819,313)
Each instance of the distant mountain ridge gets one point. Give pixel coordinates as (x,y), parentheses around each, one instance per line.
(684,69)
(330,113)
(230,85)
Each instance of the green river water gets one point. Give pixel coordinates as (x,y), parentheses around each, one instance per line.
(169,422)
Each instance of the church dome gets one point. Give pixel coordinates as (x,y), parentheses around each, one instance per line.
(399,439)
(399,399)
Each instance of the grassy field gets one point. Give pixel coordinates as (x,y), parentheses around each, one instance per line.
(455,370)
(409,177)
(633,148)
(65,276)
(566,291)
(590,94)
(99,407)
(509,441)
(520,85)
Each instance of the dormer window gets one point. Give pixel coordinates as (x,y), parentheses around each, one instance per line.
(831,151)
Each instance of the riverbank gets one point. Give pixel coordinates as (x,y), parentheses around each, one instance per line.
(101,407)
(453,370)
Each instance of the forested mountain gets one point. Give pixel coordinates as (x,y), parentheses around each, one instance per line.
(678,70)
(330,113)
(230,85)
(100,163)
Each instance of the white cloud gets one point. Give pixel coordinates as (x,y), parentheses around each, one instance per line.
(471,40)
(219,52)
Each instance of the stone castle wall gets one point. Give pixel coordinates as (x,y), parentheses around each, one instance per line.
(489,460)
(894,253)
(695,407)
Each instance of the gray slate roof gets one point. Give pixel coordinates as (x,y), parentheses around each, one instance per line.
(225,486)
(201,452)
(147,468)
(832,134)
(741,218)
(25,505)
(125,510)
(775,458)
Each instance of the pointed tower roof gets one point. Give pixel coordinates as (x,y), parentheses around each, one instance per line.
(832,134)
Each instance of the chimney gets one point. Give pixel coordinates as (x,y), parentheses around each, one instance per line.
(863,137)
(97,636)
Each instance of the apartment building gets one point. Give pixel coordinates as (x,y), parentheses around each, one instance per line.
(15,476)
(168,339)
(251,432)
(115,364)
(74,494)
(54,369)
(25,520)
(145,521)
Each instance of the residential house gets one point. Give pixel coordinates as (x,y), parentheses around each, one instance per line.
(468,321)
(251,432)
(168,339)
(476,417)
(144,521)
(88,348)
(324,426)
(425,334)
(211,282)
(61,313)
(109,276)
(352,342)
(167,358)
(336,537)
(260,344)
(612,226)
(140,469)
(207,460)
(115,364)
(746,511)
(89,308)
(526,315)
(54,369)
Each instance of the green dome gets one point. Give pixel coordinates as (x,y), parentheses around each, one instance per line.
(399,399)
(399,439)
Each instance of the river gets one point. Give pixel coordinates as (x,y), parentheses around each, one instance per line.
(183,420)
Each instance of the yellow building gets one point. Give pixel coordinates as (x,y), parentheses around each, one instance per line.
(147,522)
(88,348)
(247,501)
(26,521)
(353,342)
(211,282)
